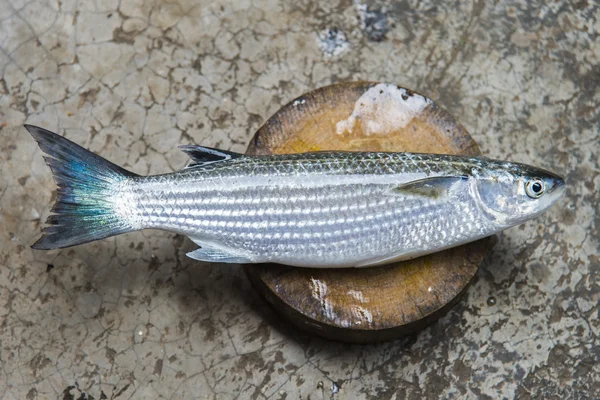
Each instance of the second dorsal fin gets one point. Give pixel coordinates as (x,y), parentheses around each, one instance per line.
(201,155)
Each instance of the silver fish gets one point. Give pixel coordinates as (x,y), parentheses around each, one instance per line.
(324,209)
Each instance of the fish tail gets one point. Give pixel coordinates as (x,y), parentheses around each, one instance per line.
(92,198)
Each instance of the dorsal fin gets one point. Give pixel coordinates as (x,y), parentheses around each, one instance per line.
(201,155)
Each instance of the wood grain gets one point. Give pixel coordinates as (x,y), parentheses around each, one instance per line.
(369,304)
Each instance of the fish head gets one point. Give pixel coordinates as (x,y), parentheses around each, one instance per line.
(510,193)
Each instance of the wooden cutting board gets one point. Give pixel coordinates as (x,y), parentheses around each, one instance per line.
(363,305)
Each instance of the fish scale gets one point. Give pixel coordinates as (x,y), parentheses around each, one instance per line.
(323,209)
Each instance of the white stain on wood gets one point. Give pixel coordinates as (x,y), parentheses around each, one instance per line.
(383,109)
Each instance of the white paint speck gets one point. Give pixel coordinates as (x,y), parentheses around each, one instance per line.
(358,295)
(361,9)
(332,42)
(34,213)
(299,102)
(319,292)
(382,109)
(362,315)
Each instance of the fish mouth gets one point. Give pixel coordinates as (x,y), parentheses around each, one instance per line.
(556,186)
(555,191)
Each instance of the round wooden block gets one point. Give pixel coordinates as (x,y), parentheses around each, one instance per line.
(364,305)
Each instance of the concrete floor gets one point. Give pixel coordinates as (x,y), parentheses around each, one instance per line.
(132,317)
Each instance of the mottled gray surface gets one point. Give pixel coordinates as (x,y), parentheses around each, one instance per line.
(132,317)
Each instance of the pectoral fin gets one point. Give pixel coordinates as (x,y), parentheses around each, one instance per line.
(434,187)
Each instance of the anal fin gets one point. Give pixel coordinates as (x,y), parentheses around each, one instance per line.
(208,253)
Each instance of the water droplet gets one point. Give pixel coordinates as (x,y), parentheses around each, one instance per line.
(491,301)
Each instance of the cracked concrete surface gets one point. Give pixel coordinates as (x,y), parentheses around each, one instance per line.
(132,317)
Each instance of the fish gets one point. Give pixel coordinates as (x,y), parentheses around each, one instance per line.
(328,209)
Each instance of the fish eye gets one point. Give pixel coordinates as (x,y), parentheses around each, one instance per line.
(535,188)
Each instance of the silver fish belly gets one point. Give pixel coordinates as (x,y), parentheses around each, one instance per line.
(327,209)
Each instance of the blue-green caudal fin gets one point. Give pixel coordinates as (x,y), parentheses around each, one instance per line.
(91,194)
